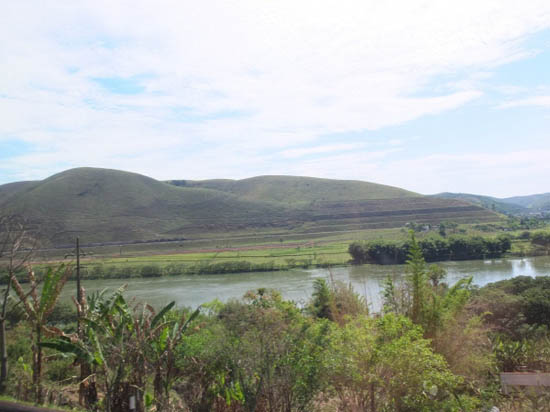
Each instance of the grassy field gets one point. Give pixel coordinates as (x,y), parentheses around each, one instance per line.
(335,253)
(240,254)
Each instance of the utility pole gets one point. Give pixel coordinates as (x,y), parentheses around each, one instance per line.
(87,393)
(78,292)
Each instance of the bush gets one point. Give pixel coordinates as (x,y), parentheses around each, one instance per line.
(541,239)
(515,302)
(386,364)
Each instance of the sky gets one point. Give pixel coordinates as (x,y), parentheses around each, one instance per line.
(431,96)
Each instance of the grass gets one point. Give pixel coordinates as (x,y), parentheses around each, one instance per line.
(295,190)
(244,254)
(218,262)
(101,205)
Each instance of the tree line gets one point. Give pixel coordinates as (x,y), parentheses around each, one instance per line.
(433,248)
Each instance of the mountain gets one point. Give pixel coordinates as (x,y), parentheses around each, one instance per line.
(296,191)
(518,205)
(535,203)
(103,205)
(488,202)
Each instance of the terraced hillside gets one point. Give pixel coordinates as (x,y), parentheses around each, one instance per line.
(102,205)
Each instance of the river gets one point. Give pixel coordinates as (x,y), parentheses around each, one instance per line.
(297,284)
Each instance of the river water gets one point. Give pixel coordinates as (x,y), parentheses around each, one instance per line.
(297,285)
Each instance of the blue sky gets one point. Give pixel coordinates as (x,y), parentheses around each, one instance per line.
(431,96)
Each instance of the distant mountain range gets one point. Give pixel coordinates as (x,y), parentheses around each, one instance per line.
(103,205)
(518,205)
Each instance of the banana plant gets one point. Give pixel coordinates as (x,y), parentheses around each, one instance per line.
(106,344)
(38,308)
(164,337)
(125,346)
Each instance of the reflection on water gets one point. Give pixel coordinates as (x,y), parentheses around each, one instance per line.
(297,284)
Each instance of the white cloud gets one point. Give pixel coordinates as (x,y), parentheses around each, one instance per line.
(305,151)
(498,174)
(289,72)
(501,174)
(542,101)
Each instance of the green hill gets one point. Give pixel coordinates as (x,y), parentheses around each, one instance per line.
(536,203)
(488,202)
(299,191)
(10,189)
(102,205)
(518,205)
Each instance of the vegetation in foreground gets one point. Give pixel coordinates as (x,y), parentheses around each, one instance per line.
(434,347)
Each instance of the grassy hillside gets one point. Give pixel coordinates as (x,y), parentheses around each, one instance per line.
(492,203)
(11,189)
(538,202)
(296,191)
(511,205)
(102,205)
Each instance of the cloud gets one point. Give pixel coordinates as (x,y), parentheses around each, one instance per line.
(170,86)
(305,151)
(502,174)
(541,101)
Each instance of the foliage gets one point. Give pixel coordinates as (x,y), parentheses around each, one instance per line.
(336,301)
(429,350)
(16,249)
(125,345)
(386,364)
(323,300)
(260,355)
(433,248)
(541,239)
(38,309)
(422,297)
(512,303)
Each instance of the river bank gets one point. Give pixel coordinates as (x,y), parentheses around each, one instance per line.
(297,284)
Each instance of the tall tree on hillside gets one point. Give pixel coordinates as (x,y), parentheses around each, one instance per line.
(16,248)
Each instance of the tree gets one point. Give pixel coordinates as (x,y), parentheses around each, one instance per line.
(417,279)
(423,298)
(322,303)
(386,364)
(16,248)
(38,309)
(541,239)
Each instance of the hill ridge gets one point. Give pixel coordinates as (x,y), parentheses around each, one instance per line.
(510,205)
(104,205)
